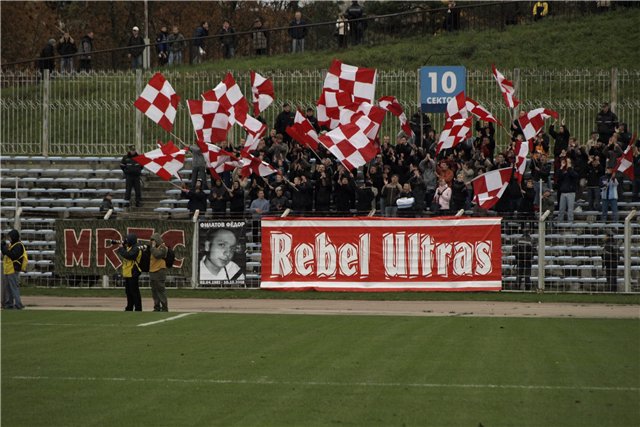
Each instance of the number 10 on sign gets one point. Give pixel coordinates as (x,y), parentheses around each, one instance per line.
(438,85)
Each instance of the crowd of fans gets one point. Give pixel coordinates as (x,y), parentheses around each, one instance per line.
(408,179)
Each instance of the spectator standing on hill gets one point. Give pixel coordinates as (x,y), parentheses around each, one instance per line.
(131,255)
(609,194)
(86,48)
(136,48)
(227,39)
(357,25)
(297,32)
(13,253)
(606,122)
(66,48)
(177,44)
(452,17)
(567,186)
(132,171)
(259,38)
(540,10)
(610,260)
(524,259)
(158,273)
(198,43)
(162,45)
(47,55)
(341,31)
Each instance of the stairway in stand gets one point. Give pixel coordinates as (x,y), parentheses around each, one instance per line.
(153,190)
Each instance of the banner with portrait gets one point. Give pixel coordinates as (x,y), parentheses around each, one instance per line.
(88,246)
(382,254)
(222,259)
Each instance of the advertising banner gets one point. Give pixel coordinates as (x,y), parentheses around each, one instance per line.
(86,247)
(222,253)
(382,254)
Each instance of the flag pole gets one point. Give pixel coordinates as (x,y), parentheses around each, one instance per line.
(178,139)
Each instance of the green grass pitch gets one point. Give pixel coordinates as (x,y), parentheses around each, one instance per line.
(100,369)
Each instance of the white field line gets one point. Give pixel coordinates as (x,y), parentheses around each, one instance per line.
(166,320)
(327,383)
(84,325)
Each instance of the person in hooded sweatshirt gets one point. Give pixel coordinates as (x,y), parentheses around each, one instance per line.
(12,256)
(131,255)
(158,273)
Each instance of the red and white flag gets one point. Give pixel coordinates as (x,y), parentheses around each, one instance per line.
(460,106)
(329,106)
(391,104)
(506,87)
(165,161)
(210,120)
(230,97)
(368,118)
(489,187)
(480,112)
(217,159)
(356,81)
(522,151)
(533,122)
(302,131)
(350,145)
(253,139)
(263,94)
(252,164)
(159,102)
(624,164)
(454,132)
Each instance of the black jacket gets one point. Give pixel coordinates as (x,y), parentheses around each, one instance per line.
(129,166)
(567,180)
(297,30)
(136,45)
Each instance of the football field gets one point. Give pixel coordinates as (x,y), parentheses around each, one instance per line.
(115,368)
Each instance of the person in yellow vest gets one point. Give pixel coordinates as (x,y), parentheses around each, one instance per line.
(158,273)
(14,260)
(131,255)
(540,10)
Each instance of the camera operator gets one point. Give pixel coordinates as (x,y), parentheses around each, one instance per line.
(131,255)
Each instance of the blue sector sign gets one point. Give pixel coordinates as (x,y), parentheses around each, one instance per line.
(438,85)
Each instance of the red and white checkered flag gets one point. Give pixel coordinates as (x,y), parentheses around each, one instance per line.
(480,112)
(329,106)
(489,187)
(368,118)
(350,145)
(522,151)
(391,104)
(252,164)
(506,87)
(230,97)
(356,81)
(262,90)
(217,159)
(210,120)
(159,102)
(302,131)
(454,132)
(533,122)
(460,106)
(624,164)
(165,161)
(253,139)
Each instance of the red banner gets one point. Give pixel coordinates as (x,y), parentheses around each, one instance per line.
(382,254)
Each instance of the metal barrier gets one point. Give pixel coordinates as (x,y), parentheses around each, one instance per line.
(567,258)
(93,114)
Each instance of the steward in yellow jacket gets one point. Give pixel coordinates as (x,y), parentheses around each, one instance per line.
(158,273)
(131,254)
(14,260)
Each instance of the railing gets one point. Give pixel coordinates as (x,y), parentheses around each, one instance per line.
(93,114)
(563,257)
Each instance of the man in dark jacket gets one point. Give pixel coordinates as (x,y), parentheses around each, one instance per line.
(46,60)
(162,45)
(355,13)
(13,253)
(561,138)
(227,40)
(524,259)
(86,48)
(345,195)
(297,32)
(132,171)
(567,186)
(606,122)
(364,198)
(197,198)
(136,48)
(284,119)
(610,260)
(66,48)
(198,52)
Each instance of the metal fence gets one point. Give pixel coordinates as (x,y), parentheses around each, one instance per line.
(93,114)
(559,257)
